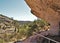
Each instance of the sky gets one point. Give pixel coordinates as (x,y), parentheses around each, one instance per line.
(18,9)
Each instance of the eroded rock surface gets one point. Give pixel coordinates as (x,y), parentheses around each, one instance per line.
(49,10)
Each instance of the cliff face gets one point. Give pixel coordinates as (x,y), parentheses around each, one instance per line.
(49,10)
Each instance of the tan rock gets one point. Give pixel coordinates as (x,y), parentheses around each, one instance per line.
(49,10)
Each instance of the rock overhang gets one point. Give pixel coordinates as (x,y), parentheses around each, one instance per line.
(49,10)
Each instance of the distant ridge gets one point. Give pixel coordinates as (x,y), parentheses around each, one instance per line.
(24,22)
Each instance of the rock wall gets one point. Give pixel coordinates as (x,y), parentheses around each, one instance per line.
(49,10)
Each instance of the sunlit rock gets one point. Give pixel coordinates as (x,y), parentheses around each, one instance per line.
(49,10)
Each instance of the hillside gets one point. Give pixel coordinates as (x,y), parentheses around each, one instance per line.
(6,24)
(12,30)
(8,28)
